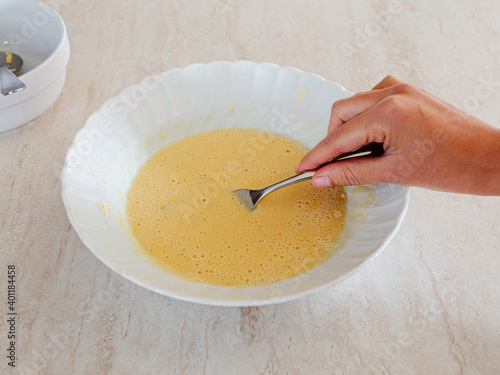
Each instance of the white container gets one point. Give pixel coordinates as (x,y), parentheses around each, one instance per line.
(38,35)
(130,128)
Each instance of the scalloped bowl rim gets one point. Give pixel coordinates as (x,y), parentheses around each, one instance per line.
(211,301)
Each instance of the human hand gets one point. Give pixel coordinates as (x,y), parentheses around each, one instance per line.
(427,142)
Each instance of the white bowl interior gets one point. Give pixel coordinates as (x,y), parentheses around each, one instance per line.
(29,29)
(128,129)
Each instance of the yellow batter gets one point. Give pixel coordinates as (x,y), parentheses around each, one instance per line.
(184,216)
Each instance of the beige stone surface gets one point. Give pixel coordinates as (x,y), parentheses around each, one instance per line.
(427,304)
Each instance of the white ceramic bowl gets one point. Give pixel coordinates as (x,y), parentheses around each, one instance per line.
(37,34)
(128,129)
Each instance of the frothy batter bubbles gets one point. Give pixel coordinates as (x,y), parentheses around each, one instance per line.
(184,216)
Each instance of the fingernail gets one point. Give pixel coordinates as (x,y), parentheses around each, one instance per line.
(297,167)
(321,182)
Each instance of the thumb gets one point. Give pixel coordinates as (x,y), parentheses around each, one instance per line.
(355,171)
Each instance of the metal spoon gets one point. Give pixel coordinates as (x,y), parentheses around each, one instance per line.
(251,197)
(10,65)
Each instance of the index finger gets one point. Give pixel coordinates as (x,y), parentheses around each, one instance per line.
(361,130)
(388,81)
(344,110)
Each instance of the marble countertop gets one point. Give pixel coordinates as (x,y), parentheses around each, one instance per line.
(427,304)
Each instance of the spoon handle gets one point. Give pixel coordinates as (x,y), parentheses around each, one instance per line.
(9,83)
(372,149)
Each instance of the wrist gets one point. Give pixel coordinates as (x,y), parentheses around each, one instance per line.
(488,163)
